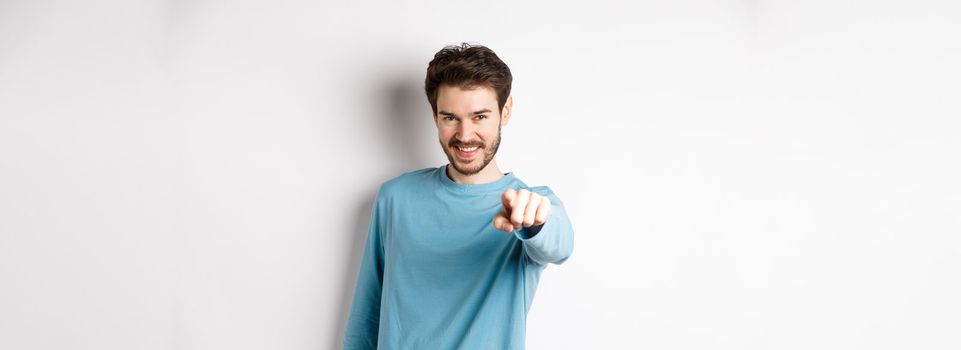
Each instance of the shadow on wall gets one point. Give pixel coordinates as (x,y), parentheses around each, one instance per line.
(408,129)
(405,129)
(356,249)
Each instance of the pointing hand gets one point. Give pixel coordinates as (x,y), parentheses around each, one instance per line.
(522,208)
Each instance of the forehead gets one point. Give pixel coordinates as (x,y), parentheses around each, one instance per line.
(460,100)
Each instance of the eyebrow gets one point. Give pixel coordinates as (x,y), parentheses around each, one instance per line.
(446,113)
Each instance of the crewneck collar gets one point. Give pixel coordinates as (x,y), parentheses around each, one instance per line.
(474,188)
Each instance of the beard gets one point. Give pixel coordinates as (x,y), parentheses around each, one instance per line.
(471,168)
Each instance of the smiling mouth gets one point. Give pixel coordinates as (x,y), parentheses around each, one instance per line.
(466,152)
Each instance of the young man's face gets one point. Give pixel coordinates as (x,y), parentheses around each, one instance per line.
(469,126)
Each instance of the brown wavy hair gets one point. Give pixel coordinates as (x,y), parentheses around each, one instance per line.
(467,66)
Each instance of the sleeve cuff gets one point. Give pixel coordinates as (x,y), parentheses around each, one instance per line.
(528,233)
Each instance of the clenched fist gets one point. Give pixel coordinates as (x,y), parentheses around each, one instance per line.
(522,208)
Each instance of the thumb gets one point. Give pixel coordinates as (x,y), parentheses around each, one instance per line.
(502,222)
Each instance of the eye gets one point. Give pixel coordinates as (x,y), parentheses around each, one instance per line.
(448,118)
(481,116)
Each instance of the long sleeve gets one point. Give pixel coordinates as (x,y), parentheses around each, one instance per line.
(364,319)
(553,242)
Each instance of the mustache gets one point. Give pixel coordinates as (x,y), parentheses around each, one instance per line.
(455,143)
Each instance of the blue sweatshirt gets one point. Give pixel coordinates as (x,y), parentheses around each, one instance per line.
(436,274)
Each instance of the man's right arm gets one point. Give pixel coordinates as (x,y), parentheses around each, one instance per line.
(363,320)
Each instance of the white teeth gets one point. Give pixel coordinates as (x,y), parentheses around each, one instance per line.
(467,149)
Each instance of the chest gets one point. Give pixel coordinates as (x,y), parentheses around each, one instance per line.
(446,231)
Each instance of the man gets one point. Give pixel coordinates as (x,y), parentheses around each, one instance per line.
(454,253)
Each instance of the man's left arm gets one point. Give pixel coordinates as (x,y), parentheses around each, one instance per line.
(538,218)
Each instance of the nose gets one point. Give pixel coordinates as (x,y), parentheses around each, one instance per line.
(465,132)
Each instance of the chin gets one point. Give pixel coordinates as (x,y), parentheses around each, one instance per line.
(468,168)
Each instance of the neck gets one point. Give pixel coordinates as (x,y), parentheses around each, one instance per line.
(490,173)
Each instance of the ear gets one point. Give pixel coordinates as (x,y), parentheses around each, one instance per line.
(506,112)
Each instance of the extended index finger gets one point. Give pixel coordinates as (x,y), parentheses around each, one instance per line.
(507,198)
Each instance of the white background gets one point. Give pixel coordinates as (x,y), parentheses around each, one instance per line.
(740,174)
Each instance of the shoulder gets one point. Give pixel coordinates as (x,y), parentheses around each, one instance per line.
(541,190)
(545,191)
(406,182)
